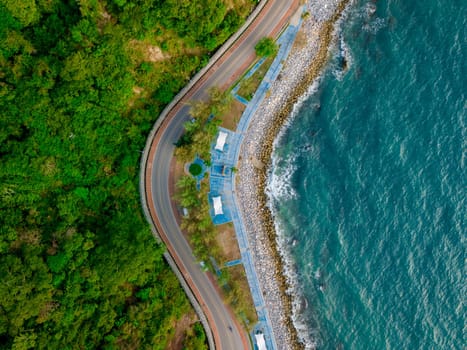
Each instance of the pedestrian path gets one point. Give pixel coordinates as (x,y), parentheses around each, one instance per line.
(241,99)
(233,263)
(221,175)
(223,183)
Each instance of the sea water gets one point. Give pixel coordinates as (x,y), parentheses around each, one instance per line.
(368,183)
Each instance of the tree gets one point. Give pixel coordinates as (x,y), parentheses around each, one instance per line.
(195,338)
(266,47)
(200,111)
(219,101)
(185,152)
(78,263)
(188,193)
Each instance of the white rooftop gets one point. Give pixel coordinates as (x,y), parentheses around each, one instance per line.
(221,140)
(217,205)
(260,341)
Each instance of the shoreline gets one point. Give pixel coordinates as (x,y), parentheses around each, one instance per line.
(303,66)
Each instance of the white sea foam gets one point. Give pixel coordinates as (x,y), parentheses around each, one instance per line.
(374,26)
(342,56)
(364,12)
(280,180)
(279,188)
(279,184)
(301,323)
(367,12)
(370,9)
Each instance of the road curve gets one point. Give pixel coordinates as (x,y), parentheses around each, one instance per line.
(156,171)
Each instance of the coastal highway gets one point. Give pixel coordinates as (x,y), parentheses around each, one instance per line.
(157,180)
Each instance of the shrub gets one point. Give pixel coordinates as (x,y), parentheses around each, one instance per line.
(195,169)
(266,47)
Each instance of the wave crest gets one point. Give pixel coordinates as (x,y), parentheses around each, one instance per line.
(307,336)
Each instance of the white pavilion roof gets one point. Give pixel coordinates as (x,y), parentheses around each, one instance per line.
(260,341)
(217,205)
(221,140)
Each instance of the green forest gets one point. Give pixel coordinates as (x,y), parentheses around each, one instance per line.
(81,84)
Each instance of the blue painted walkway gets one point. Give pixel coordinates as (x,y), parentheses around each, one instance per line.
(222,182)
(221,175)
(233,263)
(241,99)
(216,267)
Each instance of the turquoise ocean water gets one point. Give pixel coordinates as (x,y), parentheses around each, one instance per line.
(369,183)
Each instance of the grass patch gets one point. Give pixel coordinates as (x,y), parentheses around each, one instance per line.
(249,86)
(237,294)
(232,117)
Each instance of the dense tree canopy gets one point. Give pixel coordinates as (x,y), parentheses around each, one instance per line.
(81,83)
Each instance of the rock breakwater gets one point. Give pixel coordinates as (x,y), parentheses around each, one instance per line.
(301,69)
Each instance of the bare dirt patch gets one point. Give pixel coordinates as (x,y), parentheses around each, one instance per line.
(137,90)
(244,7)
(181,327)
(104,19)
(300,40)
(148,52)
(231,118)
(154,53)
(139,93)
(179,171)
(227,240)
(106,16)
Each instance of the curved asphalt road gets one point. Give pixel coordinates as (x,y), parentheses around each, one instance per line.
(227,334)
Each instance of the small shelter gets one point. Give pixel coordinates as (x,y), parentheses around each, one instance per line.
(260,341)
(221,141)
(217,205)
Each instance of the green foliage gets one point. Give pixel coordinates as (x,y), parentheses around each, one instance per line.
(266,47)
(195,169)
(188,193)
(249,85)
(78,264)
(26,11)
(207,23)
(195,339)
(200,131)
(198,223)
(202,235)
(237,293)
(57,262)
